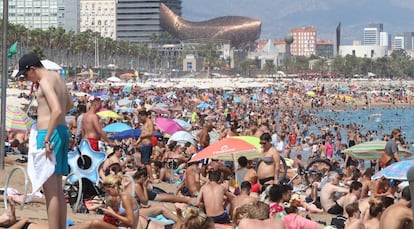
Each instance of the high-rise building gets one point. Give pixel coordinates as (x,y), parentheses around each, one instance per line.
(69,15)
(385,39)
(398,43)
(99,16)
(409,40)
(304,41)
(138,20)
(372,34)
(42,14)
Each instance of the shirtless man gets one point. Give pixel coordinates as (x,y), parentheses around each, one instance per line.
(353,195)
(212,195)
(144,141)
(328,192)
(190,186)
(91,129)
(203,142)
(268,167)
(367,183)
(243,198)
(396,216)
(53,134)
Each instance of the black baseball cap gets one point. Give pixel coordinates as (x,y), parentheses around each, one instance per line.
(27,61)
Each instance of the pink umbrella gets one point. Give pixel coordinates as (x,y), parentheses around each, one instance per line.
(167,125)
(160,110)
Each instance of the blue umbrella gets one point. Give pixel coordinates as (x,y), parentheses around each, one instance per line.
(183,123)
(116,127)
(124,102)
(396,171)
(203,106)
(131,133)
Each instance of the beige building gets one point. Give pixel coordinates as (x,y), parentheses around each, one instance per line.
(99,16)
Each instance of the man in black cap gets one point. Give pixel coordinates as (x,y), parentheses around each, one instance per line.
(53,134)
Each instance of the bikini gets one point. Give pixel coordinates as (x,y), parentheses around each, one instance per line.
(122,212)
(267,160)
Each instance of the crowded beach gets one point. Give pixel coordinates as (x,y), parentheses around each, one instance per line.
(224,153)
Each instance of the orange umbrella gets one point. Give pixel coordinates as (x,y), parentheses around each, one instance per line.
(127,75)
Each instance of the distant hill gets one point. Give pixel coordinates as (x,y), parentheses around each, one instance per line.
(279,16)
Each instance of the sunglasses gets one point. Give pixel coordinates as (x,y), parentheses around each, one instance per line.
(263,143)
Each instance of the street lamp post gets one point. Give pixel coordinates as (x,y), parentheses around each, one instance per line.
(4,83)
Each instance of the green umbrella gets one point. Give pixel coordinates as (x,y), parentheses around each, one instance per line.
(372,150)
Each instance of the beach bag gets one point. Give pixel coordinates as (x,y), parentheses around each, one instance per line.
(338,222)
(385,160)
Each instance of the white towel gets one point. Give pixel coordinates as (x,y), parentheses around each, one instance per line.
(39,167)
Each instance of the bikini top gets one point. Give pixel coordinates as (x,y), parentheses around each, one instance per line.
(267,160)
(122,211)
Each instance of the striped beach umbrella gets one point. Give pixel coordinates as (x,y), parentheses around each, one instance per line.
(17,119)
(372,150)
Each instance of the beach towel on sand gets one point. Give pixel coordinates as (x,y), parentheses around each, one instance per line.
(39,168)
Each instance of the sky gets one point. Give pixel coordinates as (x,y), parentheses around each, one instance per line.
(279,16)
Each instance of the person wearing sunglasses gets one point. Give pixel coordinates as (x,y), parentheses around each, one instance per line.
(269,164)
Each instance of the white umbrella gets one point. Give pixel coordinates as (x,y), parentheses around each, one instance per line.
(50,65)
(182,137)
(113,79)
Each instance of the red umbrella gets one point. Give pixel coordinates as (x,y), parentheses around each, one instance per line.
(227,148)
(167,125)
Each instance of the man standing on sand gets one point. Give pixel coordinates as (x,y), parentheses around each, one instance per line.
(144,141)
(91,128)
(53,134)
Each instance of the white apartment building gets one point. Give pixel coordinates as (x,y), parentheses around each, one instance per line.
(372,34)
(42,14)
(398,43)
(99,16)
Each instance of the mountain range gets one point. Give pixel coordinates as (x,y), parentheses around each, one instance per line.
(279,16)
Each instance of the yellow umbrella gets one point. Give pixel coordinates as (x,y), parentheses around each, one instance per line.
(310,93)
(108,114)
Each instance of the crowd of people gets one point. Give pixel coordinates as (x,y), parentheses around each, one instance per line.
(244,193)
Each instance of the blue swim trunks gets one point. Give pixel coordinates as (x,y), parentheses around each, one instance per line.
(60,140)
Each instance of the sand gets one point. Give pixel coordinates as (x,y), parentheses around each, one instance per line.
(37,212)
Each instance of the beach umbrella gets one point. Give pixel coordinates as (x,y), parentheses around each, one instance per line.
(230,148)
(372,150)
(167,125)
(116,127)
(182,137)
(113,79)
(17,119)
(161,105)
(203,106)
(124,109)
(108,114)
(310,93)
(396,171)
(127,75)
(182,123)
(50,65)
(131,133)
(124,102)
(160,110)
